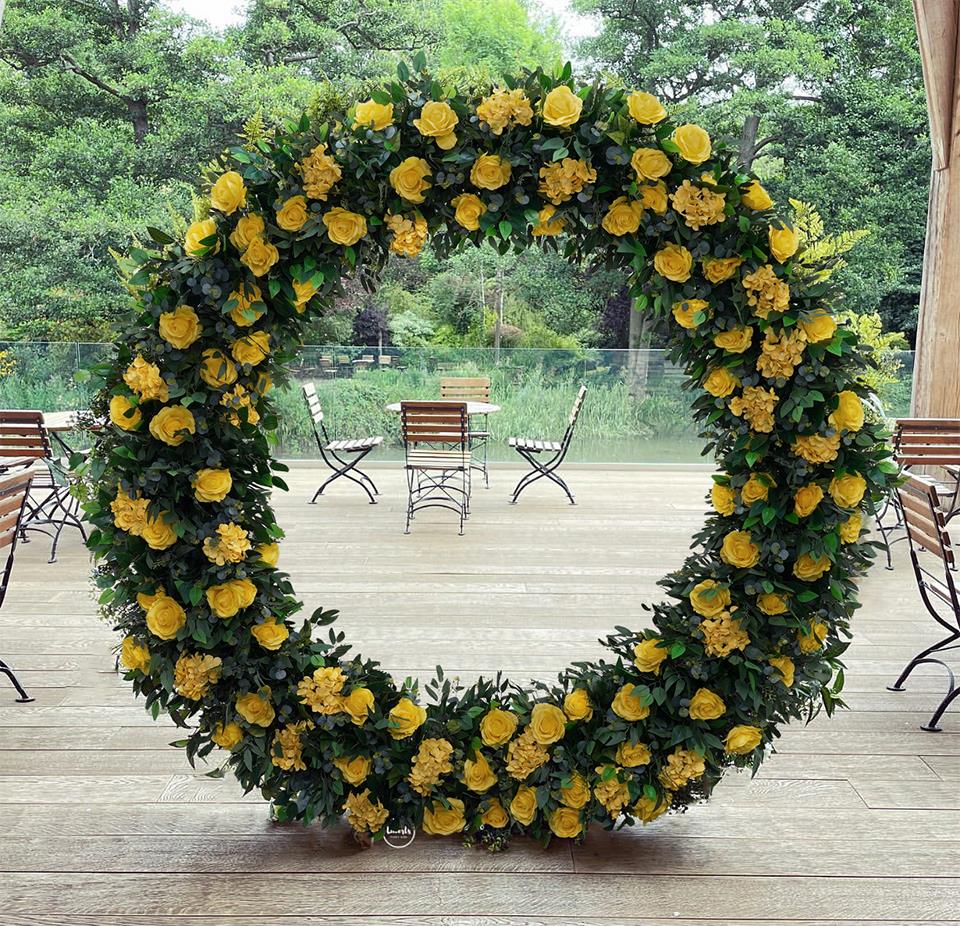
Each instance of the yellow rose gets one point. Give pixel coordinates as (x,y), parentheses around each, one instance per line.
(686,311)
(708,599)
(270,634)
(784,242)
(547,723)
(124,413)
(706,705)
(134,655)
(647,809)
(806,499)
(376,115)
(562,107)
(653,196)
(772,604)
(494,815)
(818,326)
(757,488)
(848,415)
(850,529)
(469,208)
(212,485)
(251,348)
(523,807)
(229,193)
(623,217)
(269,553)
(649,655)
(576,794)
(755,197)
(179,328)
(477,774)
(718,269)
(158,533)
(497,727)
(739,550)
(723,499)
(785,669)
(438,120)
(165,618)
(256,709)
(628,705)
(229,598)
(736,340)
(260,256)
(405,718)
(490,172)
(565,822)
(742,740)
(173,424)
(293,215)
(358,705)
(693,143)
(227,736)
(645,108)
(216,369)
(408,179)
(198,233)
(547,226)
(847,490)
(355,770)
(674,262)
(633,755)
(145,600)
(248,227)
(810,568)
(811,640)
(344,227)
(444,821)
(577,706)
(650,164)
(720,382)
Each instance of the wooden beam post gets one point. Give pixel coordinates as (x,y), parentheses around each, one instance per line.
(936,379)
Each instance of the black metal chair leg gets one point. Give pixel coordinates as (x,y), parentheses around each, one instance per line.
(920,658)
(6,670)
(934,725)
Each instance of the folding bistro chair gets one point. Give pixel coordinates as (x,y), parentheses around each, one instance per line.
(342,456)
(14,491)
(24,440)
(931,443)
(925,521)
(535,453)
(437,477)
(471,389)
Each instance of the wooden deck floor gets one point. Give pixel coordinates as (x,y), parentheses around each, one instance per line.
(855,820)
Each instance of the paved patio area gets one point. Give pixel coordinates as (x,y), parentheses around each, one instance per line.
(855,820)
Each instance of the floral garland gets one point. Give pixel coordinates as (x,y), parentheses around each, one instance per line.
(187,543)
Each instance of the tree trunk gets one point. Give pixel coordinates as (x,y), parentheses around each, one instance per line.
(748,140)
(499,320)
(138,116)
(638,358)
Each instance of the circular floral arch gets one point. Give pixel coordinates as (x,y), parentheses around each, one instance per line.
(189,563)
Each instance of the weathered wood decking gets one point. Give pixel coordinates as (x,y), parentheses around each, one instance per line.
(856,820)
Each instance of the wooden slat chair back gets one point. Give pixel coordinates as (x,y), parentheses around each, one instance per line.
(577,405)
(465,388)
(342,456)
(927,441)
(23,439)
(934,562)
(435,423)
(436,440)
(14,491)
